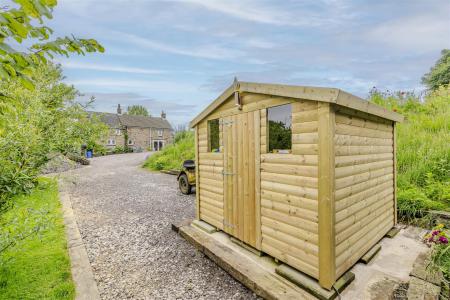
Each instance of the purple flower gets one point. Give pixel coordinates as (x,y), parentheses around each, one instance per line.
(435,232)
(443,240)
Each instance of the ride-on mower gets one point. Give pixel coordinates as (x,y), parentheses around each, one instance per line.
(186,178)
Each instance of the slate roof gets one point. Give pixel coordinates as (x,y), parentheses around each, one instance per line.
(116,121)
(144,122)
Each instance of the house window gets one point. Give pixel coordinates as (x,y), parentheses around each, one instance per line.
(118,132)
(111,142)
(279,125)
(160,132)
(213,135)
(130,142)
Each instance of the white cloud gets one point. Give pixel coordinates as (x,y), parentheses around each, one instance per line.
(109,68)
(418,33)
(259,12)
(209,51)
(132,85)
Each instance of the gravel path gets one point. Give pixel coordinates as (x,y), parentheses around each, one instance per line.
(124,214)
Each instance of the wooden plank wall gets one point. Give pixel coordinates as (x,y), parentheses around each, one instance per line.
(289,193)
(210,185)
(364,179)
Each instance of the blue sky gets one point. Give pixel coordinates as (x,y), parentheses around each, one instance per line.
(179,55)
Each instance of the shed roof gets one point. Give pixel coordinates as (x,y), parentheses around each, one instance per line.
(330,95)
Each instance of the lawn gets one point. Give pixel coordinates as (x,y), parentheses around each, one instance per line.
(37,267)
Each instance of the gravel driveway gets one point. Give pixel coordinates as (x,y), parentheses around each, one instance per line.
(124,214)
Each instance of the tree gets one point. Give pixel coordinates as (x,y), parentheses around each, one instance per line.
(43,121)
(137,110)
(440,73)
(18,24)
(280,136)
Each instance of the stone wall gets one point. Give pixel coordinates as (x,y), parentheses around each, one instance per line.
(117,136)
(143,138)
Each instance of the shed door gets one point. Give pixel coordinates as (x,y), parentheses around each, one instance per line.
(241,139)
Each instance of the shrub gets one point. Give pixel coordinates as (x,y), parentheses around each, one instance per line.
(36,122)
(172,156)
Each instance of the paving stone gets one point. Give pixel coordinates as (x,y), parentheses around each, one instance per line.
(422,290)
(421,269)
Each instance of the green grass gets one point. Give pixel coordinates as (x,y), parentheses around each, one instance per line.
(172,156)
(37,267)
(423,151)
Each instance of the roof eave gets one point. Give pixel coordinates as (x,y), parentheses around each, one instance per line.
(330,95)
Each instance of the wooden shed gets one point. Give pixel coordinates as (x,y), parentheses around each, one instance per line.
(303,174)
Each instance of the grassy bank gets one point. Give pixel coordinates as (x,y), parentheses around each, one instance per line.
(35,264)
(172,156)
(423,150)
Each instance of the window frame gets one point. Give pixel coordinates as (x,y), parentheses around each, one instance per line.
(160,132)
(283,151)
(208,125)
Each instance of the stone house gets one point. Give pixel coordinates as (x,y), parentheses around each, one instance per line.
(136,132)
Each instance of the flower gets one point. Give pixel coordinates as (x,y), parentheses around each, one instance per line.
(443,240)
(435,232)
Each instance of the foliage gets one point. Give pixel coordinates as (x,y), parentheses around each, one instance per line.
(172,156)
(23,20)
(120,149)
(440,73)
(438,239)
(137,110)
(35,265)
(41,121)
(423,152)
(280,136)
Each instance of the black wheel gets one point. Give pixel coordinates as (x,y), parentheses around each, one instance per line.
(184,185)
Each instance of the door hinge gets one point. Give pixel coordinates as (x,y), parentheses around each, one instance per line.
(226,123)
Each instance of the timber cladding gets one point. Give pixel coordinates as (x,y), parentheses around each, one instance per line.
(318,207)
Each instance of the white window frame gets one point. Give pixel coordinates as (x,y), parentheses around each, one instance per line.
(118,132)
(130,142)
(160,132)
(111,142)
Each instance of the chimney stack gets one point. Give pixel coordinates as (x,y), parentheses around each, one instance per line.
(163,115)
(119,109)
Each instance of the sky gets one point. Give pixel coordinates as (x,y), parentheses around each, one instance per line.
(178,56)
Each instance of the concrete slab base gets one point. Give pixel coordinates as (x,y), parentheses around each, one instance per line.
(255,272)
(245,246)
(389,268)
(204,226)
(370,254)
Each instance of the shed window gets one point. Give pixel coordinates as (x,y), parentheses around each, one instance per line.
(279,124)
(213,135)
